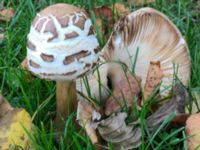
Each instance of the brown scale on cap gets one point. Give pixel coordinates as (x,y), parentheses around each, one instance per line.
(34,64)
(86,66)
(47,58)
(31,46)
(39,24)
(91,31)
(71,35)
(50,27)
(70,59)
(69,73)
(97,50)
(61,12)
(81,22)
(64,21)
(54,74)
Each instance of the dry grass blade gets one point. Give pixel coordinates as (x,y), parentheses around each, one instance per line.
(140,2)
(176,104)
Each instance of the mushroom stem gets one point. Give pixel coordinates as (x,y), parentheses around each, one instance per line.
(66,100)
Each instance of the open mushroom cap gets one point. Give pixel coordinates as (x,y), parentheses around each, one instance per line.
(61,43)
(157,39)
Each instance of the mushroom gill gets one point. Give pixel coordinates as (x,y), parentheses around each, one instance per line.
(155,38)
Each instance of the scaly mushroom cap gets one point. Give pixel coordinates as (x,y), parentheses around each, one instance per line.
(61,43)
(156,38)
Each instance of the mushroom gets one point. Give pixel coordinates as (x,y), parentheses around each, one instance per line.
(62,46)
(148,35)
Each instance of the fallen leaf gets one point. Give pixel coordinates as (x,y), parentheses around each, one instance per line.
(6,14)
(103,12)
(12,124)
(193,131)
(4,106)
(107,16)
(122,136)
(124,94)
(121,10)
(24,64)
(154,77)
(176,104)
(86,113)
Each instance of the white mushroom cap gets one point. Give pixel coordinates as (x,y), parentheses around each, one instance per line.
(95,83)
(61,44)
(157,39)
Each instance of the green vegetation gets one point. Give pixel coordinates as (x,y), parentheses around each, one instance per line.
(38,96)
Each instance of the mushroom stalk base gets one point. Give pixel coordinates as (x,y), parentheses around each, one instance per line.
(66,101)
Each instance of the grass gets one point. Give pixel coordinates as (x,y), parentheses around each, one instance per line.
(38,96)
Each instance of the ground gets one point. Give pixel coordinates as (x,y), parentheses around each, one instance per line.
(38,96)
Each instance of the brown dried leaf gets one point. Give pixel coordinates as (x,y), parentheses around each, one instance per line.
(106,16)
(154,77)
(128,88)
(193,131)
(176,104)
(121,10)
(140,2)
(4,106)
(12,121)
(24,64)
(103,12)
(85,115)
(114,129)
(6,14)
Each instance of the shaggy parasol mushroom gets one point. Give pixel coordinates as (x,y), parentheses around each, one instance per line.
(155,38)
(62,46)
